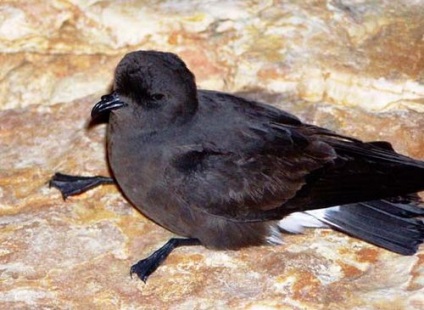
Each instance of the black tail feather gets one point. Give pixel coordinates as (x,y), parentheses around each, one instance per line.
(392,226)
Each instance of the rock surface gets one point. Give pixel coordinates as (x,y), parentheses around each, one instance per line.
(356,67)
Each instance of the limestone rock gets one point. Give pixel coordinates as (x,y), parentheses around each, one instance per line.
(356,67)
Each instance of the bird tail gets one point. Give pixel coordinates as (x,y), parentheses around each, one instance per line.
(394,226)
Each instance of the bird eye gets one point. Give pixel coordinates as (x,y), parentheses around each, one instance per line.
(157,97)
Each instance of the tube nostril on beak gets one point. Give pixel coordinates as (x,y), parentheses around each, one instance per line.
(108,97)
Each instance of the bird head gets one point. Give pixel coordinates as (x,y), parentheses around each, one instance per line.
(150,88)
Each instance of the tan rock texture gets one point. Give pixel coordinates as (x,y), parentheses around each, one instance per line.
(356,67)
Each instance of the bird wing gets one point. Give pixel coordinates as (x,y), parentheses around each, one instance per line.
(252,180)
(277,165)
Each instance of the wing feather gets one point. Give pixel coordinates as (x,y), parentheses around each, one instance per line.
(276,165)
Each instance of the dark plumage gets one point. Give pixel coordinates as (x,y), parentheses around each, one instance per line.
(222,170)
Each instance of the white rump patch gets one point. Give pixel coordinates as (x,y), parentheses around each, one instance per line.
(297,222)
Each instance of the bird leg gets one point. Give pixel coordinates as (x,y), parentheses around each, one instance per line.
(71,185)
(145,267)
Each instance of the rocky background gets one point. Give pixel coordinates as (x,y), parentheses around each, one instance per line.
(352,66)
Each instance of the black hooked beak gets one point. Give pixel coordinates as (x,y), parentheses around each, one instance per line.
(106,104)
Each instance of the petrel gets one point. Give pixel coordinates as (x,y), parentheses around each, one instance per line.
(226,172)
